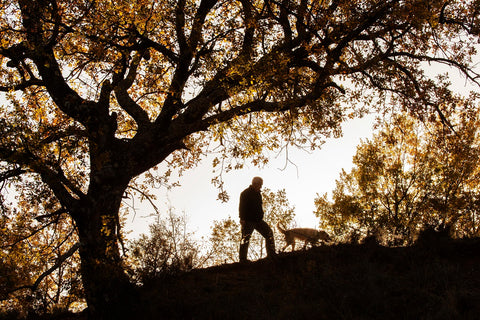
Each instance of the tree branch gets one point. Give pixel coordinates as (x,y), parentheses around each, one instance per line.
(17,53)
(11,173)
(42,54)
(55,214)
(21,86)
(56,180)
(472,29)
(187,48)
(121,92)
(58,134)
(249,22)
(266,106)
(50,270)
(363,24)
(469,73)
(170,55)
(52,214)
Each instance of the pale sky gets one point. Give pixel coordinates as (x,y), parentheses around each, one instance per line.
(311,173)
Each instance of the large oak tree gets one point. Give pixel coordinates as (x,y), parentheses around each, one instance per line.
(98,92)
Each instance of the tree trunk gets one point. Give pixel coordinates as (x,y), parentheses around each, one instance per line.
(107,287)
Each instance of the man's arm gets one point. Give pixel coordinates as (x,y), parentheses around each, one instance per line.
(241,206)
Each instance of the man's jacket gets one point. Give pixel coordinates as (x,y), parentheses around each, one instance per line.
(250,207)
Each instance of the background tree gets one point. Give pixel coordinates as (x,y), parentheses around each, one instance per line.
(225,240)
(454,177)
(169,248)
(226,234)
(411,176)
(100,92)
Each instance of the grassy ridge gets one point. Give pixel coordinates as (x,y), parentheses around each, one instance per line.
(436,279)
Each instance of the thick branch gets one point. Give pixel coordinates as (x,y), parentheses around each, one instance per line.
(11,173)
(187,50)
(266,106)
(56,180)
(57,265)
(180,25)
(52,214)
(43,56)
(247,48)
(199,20)
(17,54)
(57,134)
(170,55)
(60,185)
(22,85)
(284,20)
(121,92)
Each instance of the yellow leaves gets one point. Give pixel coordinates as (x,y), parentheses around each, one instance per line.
(107,226)
(215,162)
(29,248)
(409,175)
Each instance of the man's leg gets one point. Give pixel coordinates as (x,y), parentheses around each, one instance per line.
(247,229)
(267,233)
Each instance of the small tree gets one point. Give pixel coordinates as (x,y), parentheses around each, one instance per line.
(225,240)
(169,248)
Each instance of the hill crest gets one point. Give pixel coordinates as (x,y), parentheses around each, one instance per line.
(435,279)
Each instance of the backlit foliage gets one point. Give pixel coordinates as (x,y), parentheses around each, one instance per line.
(38,274)
(411,176)
(169,248)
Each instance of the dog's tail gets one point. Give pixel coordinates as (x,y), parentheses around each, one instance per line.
(279,227)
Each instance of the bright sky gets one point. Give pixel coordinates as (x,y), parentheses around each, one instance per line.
(310,173)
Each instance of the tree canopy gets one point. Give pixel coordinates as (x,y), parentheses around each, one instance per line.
(410,177)
(98,92)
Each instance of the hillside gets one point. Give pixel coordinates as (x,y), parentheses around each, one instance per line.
(436,279)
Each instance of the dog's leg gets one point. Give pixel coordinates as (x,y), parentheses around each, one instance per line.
(305,244)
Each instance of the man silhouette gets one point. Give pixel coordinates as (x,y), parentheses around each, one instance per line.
(251,218)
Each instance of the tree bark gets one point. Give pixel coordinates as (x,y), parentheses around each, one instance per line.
(107,287)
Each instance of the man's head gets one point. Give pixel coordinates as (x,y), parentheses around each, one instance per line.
(257,183)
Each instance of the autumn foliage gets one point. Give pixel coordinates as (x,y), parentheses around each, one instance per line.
(410,177)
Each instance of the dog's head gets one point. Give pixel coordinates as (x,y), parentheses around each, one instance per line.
(322,235)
